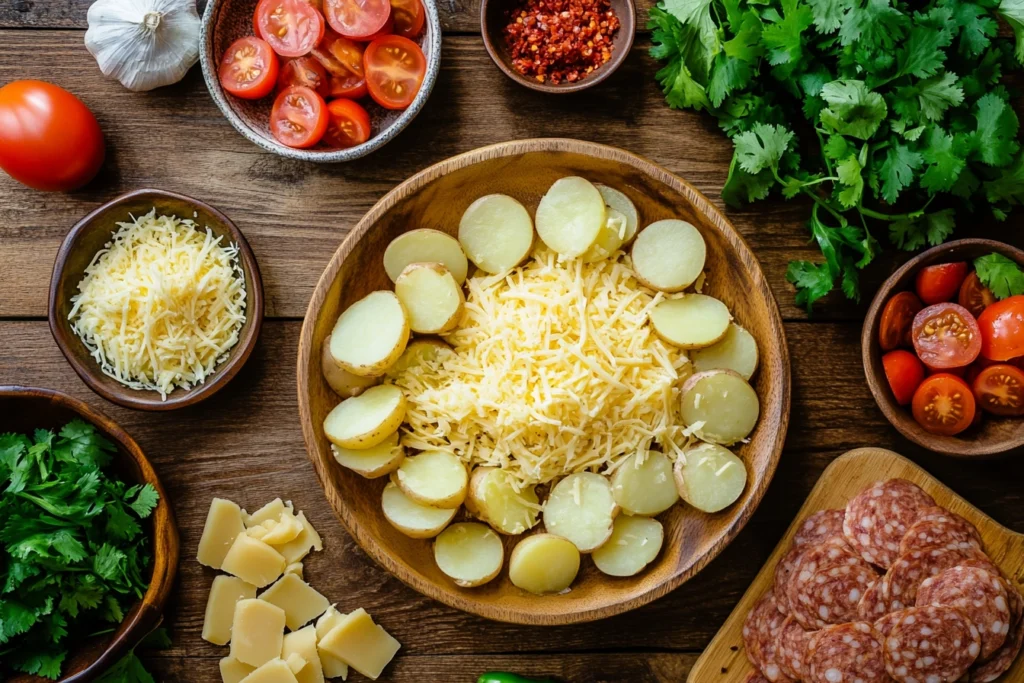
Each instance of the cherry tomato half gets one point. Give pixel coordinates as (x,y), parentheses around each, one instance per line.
(349,87)
(340,56)
(387,29)
(409,17)
(999,389)
(49,140)
(1002,329)
(357,18)
(944,404)
(299,117)
(905,373)
(304,71)
(249,68)
(946,336)
(292,27)
(974,296)
(395,67)
(349,124)
(940,282)
(897,320)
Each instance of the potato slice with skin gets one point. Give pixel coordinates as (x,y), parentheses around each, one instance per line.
(382,459)
(371,334)
(570,216)
(425,246)
(710,477)
(431,296)
(411,518)
(340,380)
(736,351)
(581,508)
(493,499)
(368,419)
(496,232)
(645,488)
(634,544)
(433,478)
(470,553)
(418,352)
(610,239)
(722,403)
(620,202)
(669,255)
(544,563)
(692,321)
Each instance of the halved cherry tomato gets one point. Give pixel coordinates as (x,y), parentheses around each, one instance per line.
(387,29)
(1002,329)
(249,68)
(340,56)
(999,389)
(897,319)
(395,67)
(357,18)
(941,282)
(944,404)
(974,296)
(905,373)
(946,336)
(349,124)
(299,117)
(409,17)
(304,71)
(292,27)
(349,87)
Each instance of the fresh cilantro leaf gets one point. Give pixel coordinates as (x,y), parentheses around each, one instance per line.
(15,619)
(837,148)
(813,281)
(762,147)
(1013,12)
(742,187)
(936,95)
(1008,186)
(898,170)
(923,55)
(944,165)
(976,27)
(997,128)
(913,233)
(1003,276)
(696,13)
(849,172)
(853,109)
(828,14)
(129,669)
(877,24)
(746,44)
(783,35)
(45,663)
(145,502)
(687,59)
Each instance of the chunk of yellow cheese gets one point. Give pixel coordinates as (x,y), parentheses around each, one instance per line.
(295,662)
(223,524)
(300,601)
(287,528)
(273,671)
(332,666)
(303,644)
(257,632)
(252,560)
(294,568)
(261,530)
(364,645)
(233,671)
(271,512)
(308,539)
(220,607)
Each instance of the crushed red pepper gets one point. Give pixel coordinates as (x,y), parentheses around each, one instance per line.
(560,40)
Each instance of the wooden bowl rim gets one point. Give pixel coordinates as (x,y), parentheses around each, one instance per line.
(130,398)
(147,614)
(447,594)
(871,357)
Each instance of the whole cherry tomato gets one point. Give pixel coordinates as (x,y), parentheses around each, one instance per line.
(940,282)
(1002,329)
(905,373)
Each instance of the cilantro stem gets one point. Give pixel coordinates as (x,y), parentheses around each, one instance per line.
(809,183)
(911,215)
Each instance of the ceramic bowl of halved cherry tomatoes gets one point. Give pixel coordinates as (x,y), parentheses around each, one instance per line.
(320,80)
(943,348)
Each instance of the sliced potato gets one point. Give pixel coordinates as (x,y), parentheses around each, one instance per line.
(669,255)
(610,239)
(617,200)
(736,351)
(431,296)
(634,544)
(368,419)
(710,477)
(544,563)
(433,478)
(570,216)
(645,488)
(411,518)
(493,499)
(419,352)
(470,553)
(496,232)
(371,334)
(425,246)
(384,458)
(581,508)
(340,380)
(721,405)
(692,321)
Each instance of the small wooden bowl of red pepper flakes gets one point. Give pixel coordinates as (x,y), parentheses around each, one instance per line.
(558,46)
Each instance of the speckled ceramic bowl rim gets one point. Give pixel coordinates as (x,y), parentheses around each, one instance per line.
(209,65)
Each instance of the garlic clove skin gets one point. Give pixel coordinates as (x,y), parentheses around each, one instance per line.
(144,44)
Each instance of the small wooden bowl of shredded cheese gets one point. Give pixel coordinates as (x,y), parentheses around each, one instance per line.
(155,300)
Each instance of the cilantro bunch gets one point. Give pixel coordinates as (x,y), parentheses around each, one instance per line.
(73,553)
(889,116)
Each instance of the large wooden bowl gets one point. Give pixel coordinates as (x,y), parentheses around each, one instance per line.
(436,198)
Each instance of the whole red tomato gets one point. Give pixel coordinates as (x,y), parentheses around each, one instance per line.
(49,140)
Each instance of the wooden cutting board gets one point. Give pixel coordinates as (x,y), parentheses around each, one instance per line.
(725,661)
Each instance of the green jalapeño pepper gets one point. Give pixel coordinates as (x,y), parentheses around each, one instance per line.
(504,677)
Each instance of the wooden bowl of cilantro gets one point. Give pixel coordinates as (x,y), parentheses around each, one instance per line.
(88,544)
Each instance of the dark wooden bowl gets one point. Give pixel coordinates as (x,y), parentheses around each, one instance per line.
(436,198)
(88,236)
(23,409)
(997,434)
(494,17)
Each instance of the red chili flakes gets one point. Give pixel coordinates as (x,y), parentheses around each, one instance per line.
(560,40)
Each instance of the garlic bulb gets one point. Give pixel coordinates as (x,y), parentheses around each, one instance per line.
(145,44)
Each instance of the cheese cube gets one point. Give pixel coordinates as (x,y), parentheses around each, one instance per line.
(220,607)
(332,666)
(287,528)
(294,568)
(252,560)
(364,645)
(300,601)
(308,539)
(296,663)
(269,512)
(274,671)
(233,671)
(261,530)
(223,524)
(257,633)
(303,644)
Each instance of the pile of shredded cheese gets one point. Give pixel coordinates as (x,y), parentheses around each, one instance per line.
(162,304)
(556,370)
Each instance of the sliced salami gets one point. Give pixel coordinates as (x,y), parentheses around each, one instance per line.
(909,571)
(783,570)
(933,644)
(760,637)
(979,594)
(877,519)
(827,584)
(875,603)
(846,653)
(819,527)
(884,624)
(792,648)
(1003,658)
(937,529)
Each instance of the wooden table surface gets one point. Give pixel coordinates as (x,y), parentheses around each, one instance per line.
(246,443)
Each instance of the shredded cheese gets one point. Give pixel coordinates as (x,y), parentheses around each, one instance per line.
(162,304)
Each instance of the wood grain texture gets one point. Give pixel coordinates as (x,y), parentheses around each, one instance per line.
(725,661)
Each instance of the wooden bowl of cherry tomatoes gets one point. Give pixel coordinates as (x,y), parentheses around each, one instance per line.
(320,80)
(943,348)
